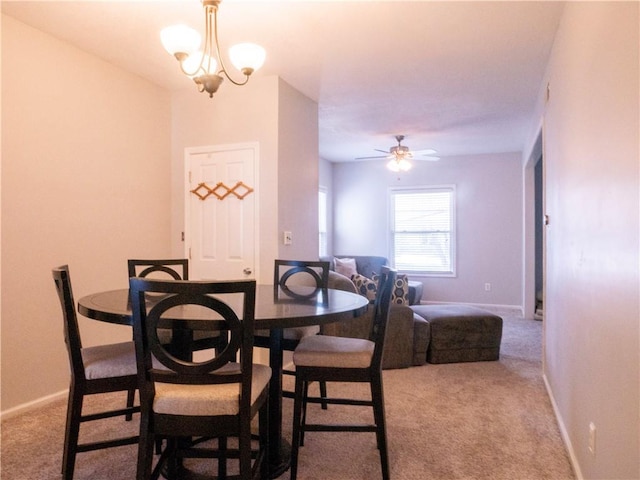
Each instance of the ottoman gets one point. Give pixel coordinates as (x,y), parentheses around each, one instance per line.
(461,333)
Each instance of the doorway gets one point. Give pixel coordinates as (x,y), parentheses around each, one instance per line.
(538,174)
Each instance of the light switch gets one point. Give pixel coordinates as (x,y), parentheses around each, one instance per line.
(288,240)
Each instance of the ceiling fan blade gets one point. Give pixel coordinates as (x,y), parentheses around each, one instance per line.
(428,151)
(426,159)
(370,158)
(383,151)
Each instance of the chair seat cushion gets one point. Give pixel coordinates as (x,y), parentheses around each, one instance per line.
(329,351)
(108,361)
(203,400)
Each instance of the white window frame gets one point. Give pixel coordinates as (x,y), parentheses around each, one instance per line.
(323,222)
(451,189)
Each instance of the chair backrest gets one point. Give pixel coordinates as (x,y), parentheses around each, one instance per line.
(72,338)
(177,268)
(231,311)
(381,306)
(285,270)
(289,274)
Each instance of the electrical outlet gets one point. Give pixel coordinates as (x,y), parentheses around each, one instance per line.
(592,439)
(487,287)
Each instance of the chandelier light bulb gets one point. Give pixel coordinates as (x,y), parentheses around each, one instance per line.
(247,57)
(180,39)
(194,65)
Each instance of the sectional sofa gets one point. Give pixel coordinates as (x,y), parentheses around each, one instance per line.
(418,333)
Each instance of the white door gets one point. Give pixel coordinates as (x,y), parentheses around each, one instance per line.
(220,217)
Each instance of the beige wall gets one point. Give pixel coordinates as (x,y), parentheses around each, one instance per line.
(85,181)
(297,174)
(592,308)
(93,165)
(284,123)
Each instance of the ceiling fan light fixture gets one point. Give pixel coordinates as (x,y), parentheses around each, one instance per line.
(404,164)
(400,151)
(399,156)
(399,165)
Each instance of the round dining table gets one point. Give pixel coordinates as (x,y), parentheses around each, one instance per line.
(275,310)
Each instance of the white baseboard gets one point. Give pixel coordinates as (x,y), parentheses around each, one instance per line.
(563,432)
(491,307)
(25,407)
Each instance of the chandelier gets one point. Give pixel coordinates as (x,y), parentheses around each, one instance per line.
(201,65)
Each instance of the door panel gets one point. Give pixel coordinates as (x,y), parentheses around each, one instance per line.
(220,228)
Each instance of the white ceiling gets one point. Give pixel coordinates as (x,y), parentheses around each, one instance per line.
(459,77)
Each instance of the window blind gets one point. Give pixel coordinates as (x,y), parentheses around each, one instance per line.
(422,230)
(322,223)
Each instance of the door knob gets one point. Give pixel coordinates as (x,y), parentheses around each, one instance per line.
(247,271)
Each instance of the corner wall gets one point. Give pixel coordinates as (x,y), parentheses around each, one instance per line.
(592,307)
(233,115)
(298,172)
(285,123)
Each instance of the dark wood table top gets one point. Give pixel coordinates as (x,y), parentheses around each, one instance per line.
(274,309)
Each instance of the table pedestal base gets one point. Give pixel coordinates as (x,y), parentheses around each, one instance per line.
(277,466)
(279,463)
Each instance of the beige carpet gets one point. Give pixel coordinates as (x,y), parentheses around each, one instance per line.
(487,420)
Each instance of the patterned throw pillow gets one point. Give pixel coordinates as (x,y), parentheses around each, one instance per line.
(345,266)
(365,286)
(400,293)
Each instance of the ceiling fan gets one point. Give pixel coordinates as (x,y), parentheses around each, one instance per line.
(399,156)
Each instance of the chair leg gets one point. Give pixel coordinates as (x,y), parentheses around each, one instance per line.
(145,450)
(72,432)
(222,460)
(296,439)
(244,445)
(131,395)
(305,395)
(263,432)
(158,442)
(381,430)
(323,394)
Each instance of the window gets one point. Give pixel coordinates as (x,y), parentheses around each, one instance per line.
(422,230)
(322,221)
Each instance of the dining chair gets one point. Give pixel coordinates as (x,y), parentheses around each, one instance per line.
(176,269)
(339,359)
(213,397)
(94,370)
(286,275)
